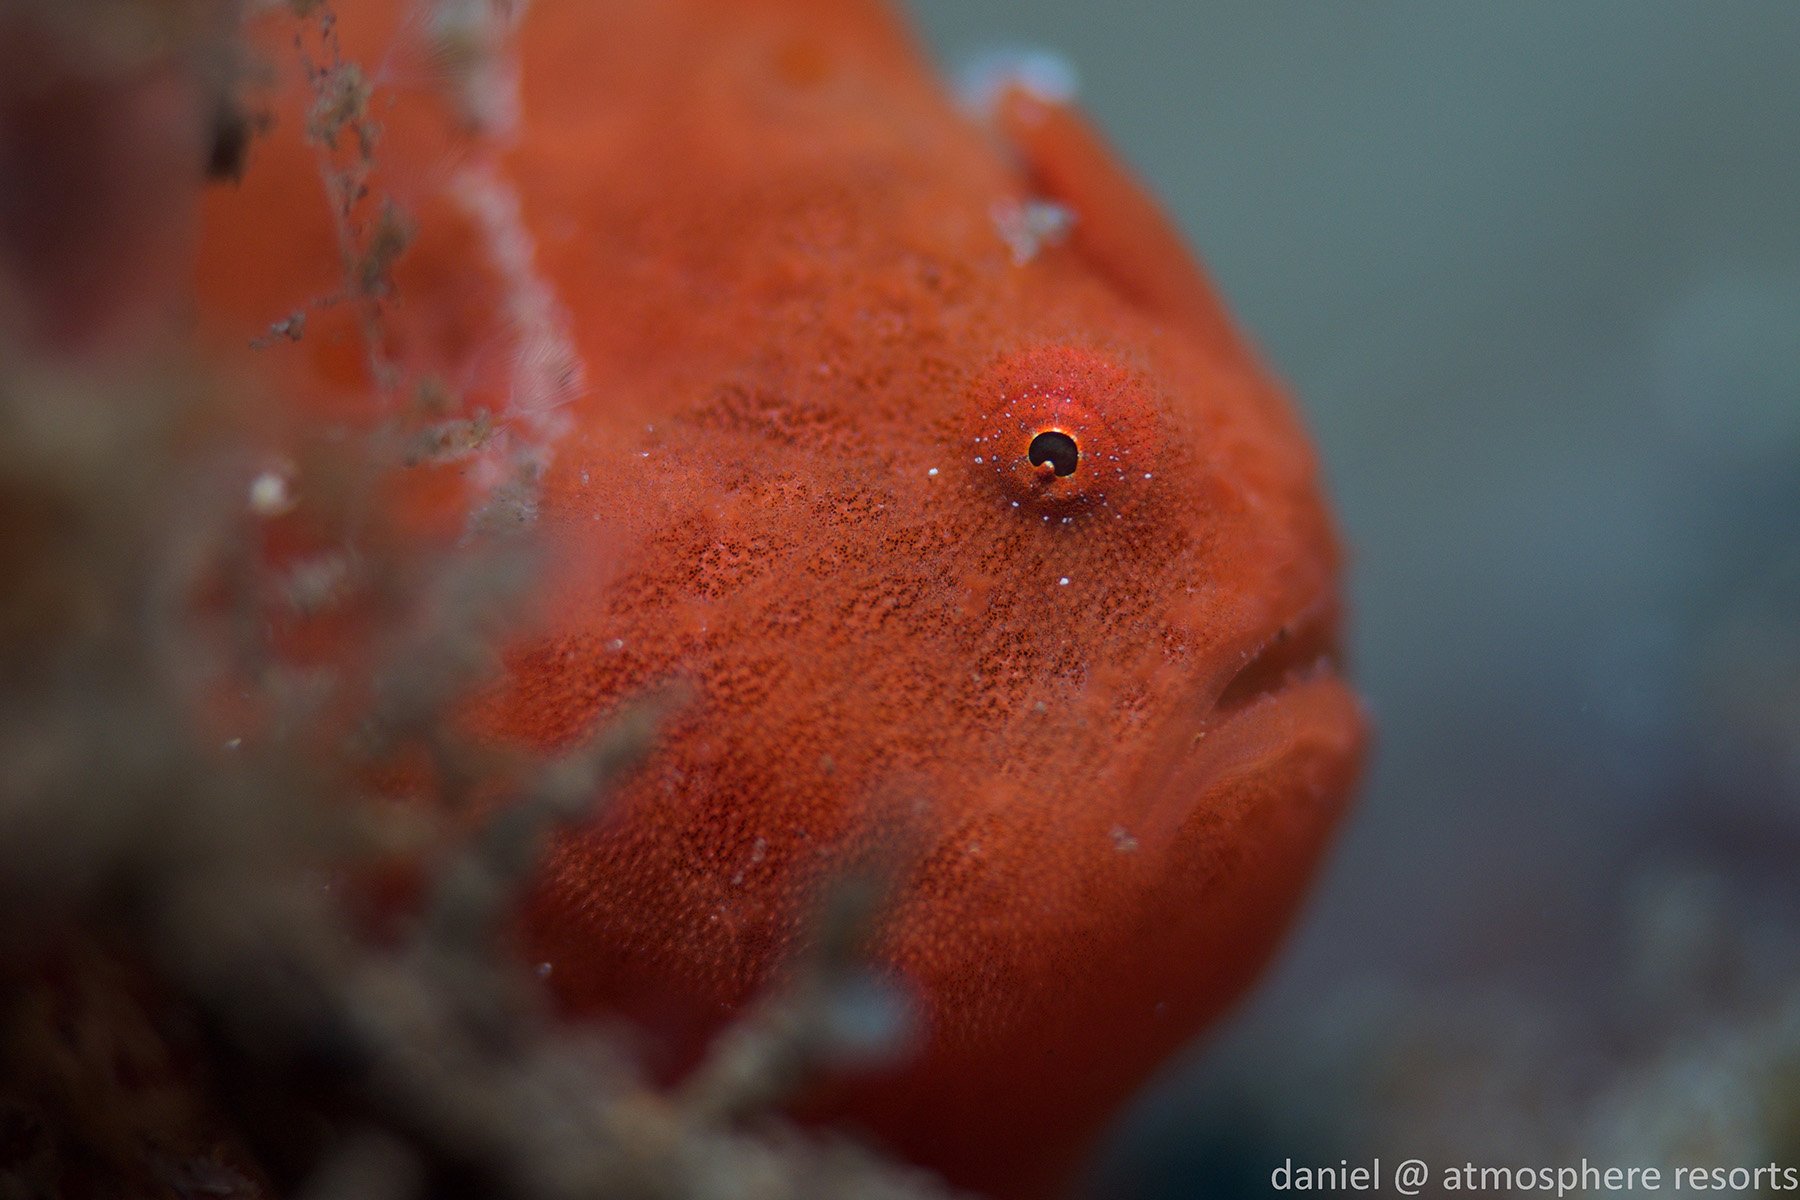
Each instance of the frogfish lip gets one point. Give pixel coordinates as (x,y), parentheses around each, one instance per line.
(1300,649)
(1274,722)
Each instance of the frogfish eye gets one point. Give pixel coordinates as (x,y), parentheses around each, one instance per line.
(1055,449)
(1062,433)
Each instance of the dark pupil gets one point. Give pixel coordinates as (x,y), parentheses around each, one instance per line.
(1057,449)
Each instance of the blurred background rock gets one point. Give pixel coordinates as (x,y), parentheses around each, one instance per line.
(1534,271)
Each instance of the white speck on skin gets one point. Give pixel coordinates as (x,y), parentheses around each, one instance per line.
(933,471)
(1123,842)
(1027,226)
(1063,582)
(616,644)
(270,494)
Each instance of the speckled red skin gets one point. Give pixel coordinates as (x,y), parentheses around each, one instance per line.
(794,481)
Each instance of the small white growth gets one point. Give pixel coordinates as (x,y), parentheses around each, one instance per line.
(616,645)
(933,471)
(1063,582)
(290,328)
(547,370)
(472,40)
(1028,226)
(271,494)
(981,78)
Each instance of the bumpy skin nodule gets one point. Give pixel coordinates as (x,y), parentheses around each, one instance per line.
(1090,724)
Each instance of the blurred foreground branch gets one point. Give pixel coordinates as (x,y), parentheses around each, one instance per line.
(198,995)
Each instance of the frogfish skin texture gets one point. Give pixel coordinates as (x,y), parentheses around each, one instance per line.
(999,563)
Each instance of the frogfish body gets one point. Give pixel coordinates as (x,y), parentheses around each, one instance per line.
(985,551)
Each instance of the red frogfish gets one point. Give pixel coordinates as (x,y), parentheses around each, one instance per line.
(917,449)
